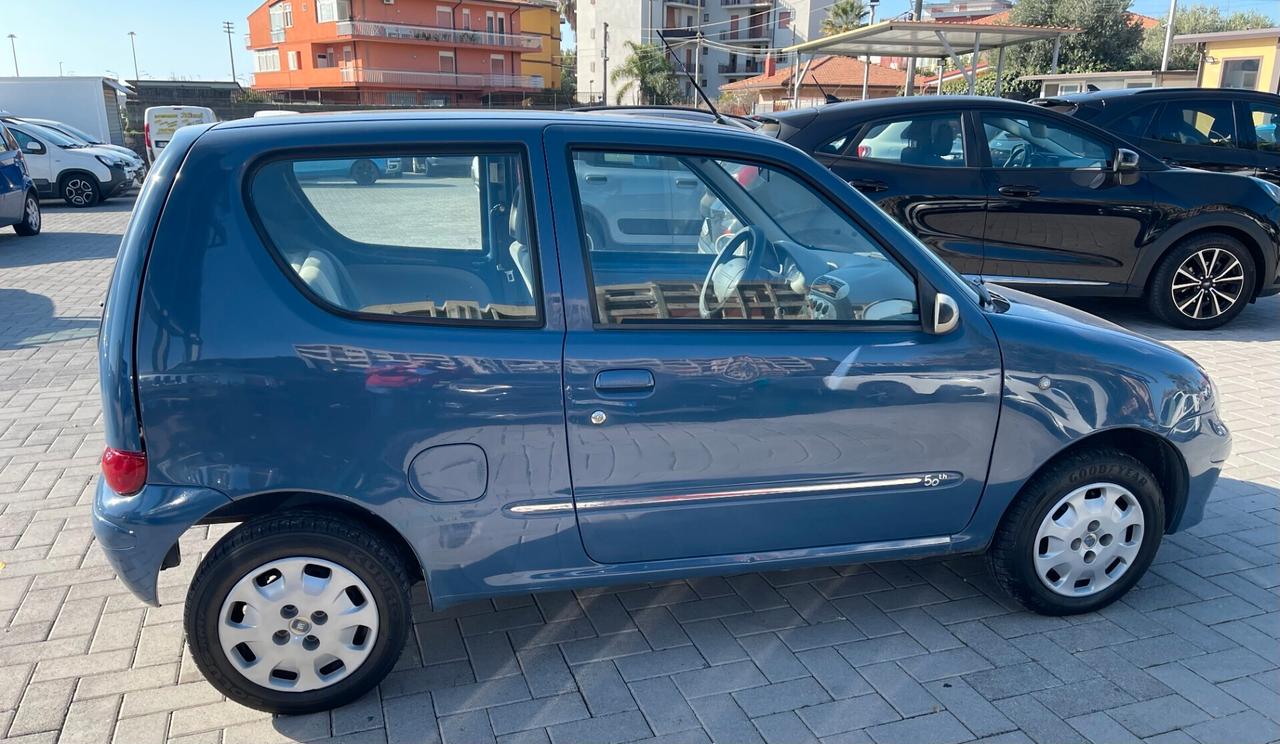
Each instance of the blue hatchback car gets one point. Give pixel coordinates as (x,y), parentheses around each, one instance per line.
(451,381)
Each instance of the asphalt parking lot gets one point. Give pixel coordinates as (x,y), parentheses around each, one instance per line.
(898,652)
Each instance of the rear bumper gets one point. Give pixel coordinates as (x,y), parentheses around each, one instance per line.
(136,532)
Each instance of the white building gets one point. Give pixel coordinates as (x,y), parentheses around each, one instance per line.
(719,40)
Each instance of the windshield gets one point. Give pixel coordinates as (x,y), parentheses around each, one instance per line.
(79,135)
(50,135)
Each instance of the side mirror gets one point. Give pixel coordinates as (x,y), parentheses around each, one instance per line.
(1125,160)
(35,148)
(939,312)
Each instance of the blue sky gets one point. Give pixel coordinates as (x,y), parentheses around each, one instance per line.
(183,38)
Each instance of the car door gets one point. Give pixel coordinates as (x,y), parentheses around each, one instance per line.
(1057,215)
(1199,134)
(651,189)
(1260,132)
(12,181)
(788,400)
(919,170)
(38,156)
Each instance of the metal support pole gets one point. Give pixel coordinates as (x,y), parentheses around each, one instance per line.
(973,78)
(866,58)
(942,69)
(1057,48)
(135,56)
(1168,35)
(795,92)
(999,72)
(911,61)
(13,45)
(605,69)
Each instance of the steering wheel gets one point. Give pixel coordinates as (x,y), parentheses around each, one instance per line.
(752,239)
(1017,156)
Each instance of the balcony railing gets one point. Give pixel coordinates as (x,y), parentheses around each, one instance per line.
(727,69)
(689,3)
(435,34)
(759,33)
(277,35)
(741,3)
(418,79)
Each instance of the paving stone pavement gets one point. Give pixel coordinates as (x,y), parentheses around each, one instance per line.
(896,652)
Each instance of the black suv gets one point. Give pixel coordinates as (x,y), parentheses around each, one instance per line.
(1023,195)
(1220,129)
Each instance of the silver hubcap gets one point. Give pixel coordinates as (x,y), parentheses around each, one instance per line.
(298,624)
(1207,284)
(79,192)
(33,213)
(1089,539)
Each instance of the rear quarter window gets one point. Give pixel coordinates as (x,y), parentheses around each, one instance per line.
(444,237)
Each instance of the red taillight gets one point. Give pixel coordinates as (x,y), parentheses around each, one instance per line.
(864,151)
(146,134)
(125,472)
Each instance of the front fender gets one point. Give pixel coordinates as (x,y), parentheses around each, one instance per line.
(1069,376)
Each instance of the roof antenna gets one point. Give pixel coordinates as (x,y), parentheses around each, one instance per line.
(701,93)
(826,97)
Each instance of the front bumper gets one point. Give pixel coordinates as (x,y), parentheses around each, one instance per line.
(136,532)
(1204,443)
(120,180)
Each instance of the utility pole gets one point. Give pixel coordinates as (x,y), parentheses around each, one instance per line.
(1168,35)
(866,59)
(59,68)
(605,48)
(911,61)
(229,28)
(14,46)
(133,47)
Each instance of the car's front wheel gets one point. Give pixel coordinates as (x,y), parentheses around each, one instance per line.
(30,224)
(80,190)
(1203,282)
(365,172)
(1080,534)
(297,613)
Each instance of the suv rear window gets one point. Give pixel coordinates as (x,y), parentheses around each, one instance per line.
(439,237)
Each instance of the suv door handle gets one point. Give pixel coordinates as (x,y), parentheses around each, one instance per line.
(624,381)
(686,183)
(1019,190)
(595,178)
(868,184)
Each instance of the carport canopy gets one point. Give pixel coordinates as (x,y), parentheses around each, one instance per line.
(935,40)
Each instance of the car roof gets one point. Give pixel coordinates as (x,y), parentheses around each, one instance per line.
(878,106)
(533,119)
(1153,93)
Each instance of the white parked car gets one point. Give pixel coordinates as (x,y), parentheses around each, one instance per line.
(83,175)
(84,138)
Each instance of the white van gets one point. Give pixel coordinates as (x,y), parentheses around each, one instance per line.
(160,122)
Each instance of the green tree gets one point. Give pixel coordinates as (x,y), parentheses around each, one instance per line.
(844,15)
(648,71)
(1196,19)
(569,74)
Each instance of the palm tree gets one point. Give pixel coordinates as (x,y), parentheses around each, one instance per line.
(569,11)
(844,15)
(648,69)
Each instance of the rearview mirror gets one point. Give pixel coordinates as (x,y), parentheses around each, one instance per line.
(1125,160)
(35,148)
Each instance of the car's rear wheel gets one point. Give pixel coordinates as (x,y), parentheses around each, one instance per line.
(364,172)
(80,190)
(1080,534)
(1203,282)
(31,220)
(297,613)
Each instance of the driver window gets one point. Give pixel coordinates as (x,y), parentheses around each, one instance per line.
(1031,142)
(686,238)
(1206,124)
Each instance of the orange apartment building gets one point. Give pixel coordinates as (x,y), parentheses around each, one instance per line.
(392,52)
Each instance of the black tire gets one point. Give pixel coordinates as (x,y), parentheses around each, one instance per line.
(306,534)
(1013,549)
(31,218)
(1164,303)
(365,172)
(80,190)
